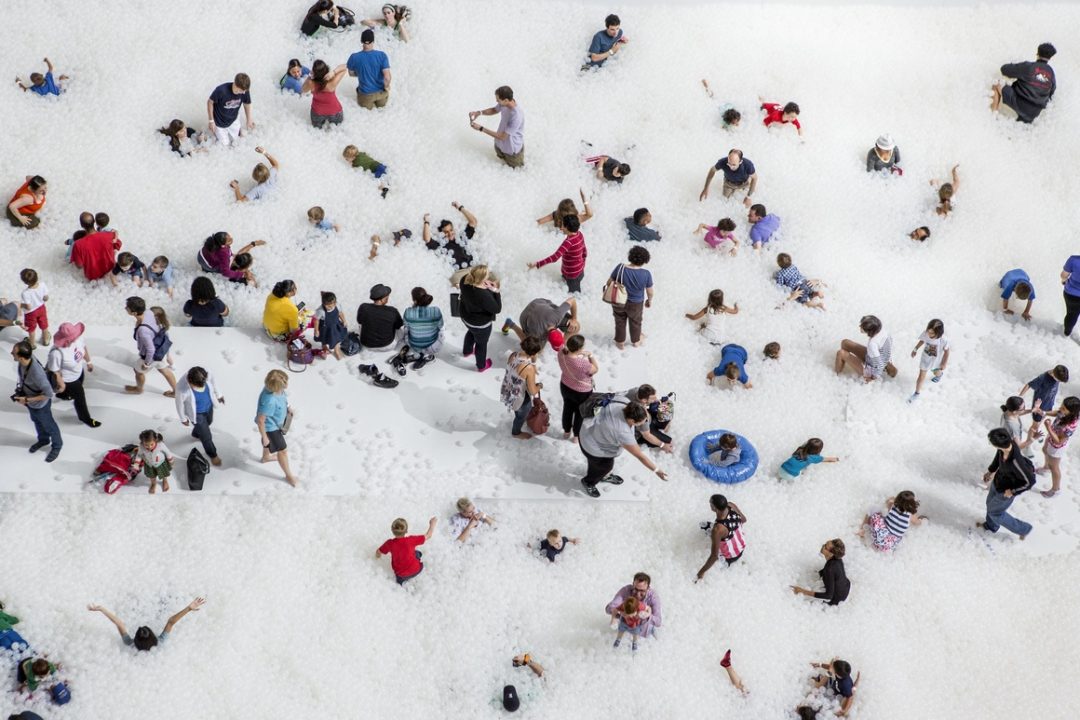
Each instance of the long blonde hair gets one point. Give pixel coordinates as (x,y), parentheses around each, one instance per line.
(476,276)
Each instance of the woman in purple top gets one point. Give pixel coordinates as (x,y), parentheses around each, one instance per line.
(216,256)
(1070,278)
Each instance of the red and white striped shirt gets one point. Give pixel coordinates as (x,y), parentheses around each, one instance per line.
(573,253)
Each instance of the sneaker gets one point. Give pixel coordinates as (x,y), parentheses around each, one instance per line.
(507,324)
(424,360)
(633,645)
(398,361)
(616,643)
(613,479)
(54,452)
(380,380)
(590,490)
(368,370)
(384,191)
(487,366)
(913,398)
(937,375)
(93,423)
(38,445)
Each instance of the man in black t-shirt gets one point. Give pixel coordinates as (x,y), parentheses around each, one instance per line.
(379,322)
(1033,87)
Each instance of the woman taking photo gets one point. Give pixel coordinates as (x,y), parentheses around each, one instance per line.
(216,256)
(322,84)
(324,14)
(481,303)
(27,201)
(281,317)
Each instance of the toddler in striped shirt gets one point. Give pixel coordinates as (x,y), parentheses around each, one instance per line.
(888,529)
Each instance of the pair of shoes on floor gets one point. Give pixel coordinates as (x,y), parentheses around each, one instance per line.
(377,378)
(399,360)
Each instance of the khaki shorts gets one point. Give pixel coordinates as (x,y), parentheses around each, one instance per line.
(155,365)
(371,101)
(730,188)
(515,161)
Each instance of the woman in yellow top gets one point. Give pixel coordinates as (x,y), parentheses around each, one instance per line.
(281,317)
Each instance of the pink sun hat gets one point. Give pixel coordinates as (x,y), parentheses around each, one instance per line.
(68,333)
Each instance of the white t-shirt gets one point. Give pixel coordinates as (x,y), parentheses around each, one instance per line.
(459,522)
(878,353)
(34,297)
(934,347)
(69,361)
(714,325)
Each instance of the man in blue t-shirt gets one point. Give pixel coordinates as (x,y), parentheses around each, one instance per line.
(1017,281)
(763,225)
(223,109)
(739,174)
(605,43)
(372,67)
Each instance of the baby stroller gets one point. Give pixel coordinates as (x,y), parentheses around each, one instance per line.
(115,468)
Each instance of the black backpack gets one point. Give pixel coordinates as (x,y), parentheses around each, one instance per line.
(351,344)
(592,405)
(197,468)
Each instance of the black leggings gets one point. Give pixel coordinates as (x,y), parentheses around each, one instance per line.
(476,340)
(74,391)
(599,468)
(1072,312)
(571,409)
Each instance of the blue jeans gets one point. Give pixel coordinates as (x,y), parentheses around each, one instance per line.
(47,429)
(521,414)
(997,514)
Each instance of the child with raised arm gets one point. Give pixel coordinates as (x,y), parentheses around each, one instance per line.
(935,355)
(404,557)
(43,84)
(1045,387)
(144,638)
(713,314)
(553,545)
(837,677)
(1058,433)
(720,236)
(946,191)
(1016,282)
(729,116)
(265,179)
(807,454)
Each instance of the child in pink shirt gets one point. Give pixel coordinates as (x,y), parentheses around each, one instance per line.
(720,236)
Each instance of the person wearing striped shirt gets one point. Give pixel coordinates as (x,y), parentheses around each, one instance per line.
(888,529)
(726,533)
(872,359)
(423,332)
(572,251)
(803,291)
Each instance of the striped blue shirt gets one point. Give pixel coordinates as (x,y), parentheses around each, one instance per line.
(423,325)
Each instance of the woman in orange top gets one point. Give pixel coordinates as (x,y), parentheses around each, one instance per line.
(28,200)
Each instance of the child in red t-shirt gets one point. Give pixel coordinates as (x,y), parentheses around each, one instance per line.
(404,557)
(631,617)
(787,114)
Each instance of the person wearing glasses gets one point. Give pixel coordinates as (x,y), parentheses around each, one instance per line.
(641,589)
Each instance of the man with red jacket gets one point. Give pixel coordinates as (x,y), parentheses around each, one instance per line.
(96,254)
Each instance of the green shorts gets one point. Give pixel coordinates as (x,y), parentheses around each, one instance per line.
(160,472)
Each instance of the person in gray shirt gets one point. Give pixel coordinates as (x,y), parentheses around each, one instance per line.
(604,437)
(35,393)
(637,226)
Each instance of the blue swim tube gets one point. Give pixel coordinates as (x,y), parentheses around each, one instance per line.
(737,473)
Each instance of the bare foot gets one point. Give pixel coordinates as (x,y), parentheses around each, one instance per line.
(165,485)
(169,394)
(267,457)
(566,436)
(153,487)
(574,440)
(291,480)
(133,389)
(522,436)
(620,345)
(215,461)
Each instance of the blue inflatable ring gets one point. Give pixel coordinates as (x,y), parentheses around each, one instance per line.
(737,473)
